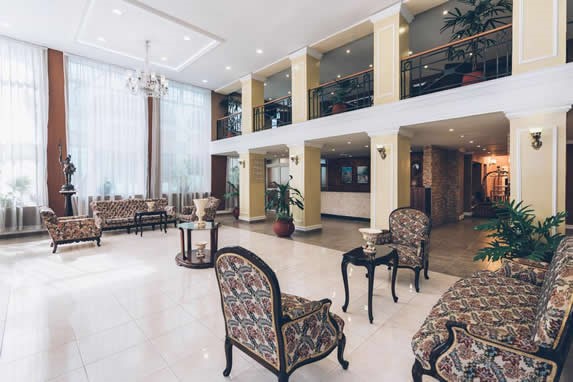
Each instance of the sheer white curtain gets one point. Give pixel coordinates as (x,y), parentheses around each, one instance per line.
(107,132)
(184,136)
(23,133)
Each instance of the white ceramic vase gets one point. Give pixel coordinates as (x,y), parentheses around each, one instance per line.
(200,205)
(370,235)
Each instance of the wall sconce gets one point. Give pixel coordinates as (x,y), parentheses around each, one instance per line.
(294,159)
(536,137)
(242,163)
(382,151)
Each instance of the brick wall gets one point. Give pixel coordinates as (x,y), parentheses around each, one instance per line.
(443,172)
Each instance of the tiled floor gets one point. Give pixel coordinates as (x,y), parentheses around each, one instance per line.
(126,312)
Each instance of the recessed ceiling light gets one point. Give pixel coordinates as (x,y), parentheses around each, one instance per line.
(101,39)
(483,149)
(445,12)
(117,12)
(471,141)
(287,75)
(370,65)
(349,142)
(461,136)
(451,130)
(204,81)
(265,84)
(410,53)
(331,93)
(347,51)
(227,68)
(288,92)
(163,58)
(338,76)
(478,146)
(366,146)
(270,98)
(425,66)
(186,38)
(259,51)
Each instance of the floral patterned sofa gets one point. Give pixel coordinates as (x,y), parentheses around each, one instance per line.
(118,214)
(69,229)
(513,324)
(189,213)
(280,331)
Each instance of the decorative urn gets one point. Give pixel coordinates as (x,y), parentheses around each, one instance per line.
(370,235)
(200,205)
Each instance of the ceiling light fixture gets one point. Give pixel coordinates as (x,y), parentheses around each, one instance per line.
(265,84)
(445,12)
(117,12)
(478,146)
(410,53)
(163,58)
(370,65)
(145,82)
(451,130)
(287,75)
(227,67)
(347,51)
(204,81)
(471,141)
(349,142)
(186,38)
(333,150)
(259,51)
(461,136)
(338,76)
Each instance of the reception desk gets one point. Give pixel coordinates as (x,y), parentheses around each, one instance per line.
(349,204)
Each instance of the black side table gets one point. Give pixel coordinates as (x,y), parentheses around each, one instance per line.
(188,256)
(138,220)
(384,256)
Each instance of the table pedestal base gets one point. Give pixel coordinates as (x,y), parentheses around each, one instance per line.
(191,260)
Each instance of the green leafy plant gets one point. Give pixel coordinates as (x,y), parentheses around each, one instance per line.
(516,233)
(343,88)
(282,197)
(478,16)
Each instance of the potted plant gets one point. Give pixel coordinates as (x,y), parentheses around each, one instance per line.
(343,88)
(280,199)
(478,16)
(515,233)
(233,194)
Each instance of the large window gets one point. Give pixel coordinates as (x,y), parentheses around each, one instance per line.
(184,136)
(107,132)
(23,133)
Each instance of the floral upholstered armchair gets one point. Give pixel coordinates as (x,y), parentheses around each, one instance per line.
(189,213)
(280,331)
(409,234)
(69,229)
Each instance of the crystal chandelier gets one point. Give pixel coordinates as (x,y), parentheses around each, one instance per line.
(145,82)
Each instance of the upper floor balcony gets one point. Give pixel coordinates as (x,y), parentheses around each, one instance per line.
(272,114)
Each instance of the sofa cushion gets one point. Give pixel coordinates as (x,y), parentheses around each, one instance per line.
(407,255)
(294,307)
(485,302)
(556,299)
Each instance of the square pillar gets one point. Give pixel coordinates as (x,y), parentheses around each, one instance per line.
(539,34)
(253,94)
(305,172)
(391,43)
(390,183)
(305,75)
(538,176)
(252,187)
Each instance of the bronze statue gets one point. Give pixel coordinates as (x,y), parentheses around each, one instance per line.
(68,169)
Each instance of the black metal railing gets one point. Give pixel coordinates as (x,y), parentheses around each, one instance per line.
(348,93)
(478,58)
(273,114)
(229,126)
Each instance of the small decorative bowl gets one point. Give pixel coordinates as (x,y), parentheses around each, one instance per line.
(370,235)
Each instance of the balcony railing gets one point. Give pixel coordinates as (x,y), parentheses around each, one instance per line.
(348,93)
(229,126)
(478,58)
(273,114)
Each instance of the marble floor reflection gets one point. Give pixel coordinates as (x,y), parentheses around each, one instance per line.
(127,312)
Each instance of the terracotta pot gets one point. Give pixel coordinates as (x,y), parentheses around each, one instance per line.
(338,108)
(236,213)
(472,78)
(283,228)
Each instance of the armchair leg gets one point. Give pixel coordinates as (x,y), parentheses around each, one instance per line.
(229,357)
(283,377)
(55,247)
(417,371)
(52,244)
(98,242)
(426,269)
(417,280)
(341,346)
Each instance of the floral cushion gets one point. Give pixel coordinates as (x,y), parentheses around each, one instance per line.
(409,226)
(525,270)
(294,307)
(248,306)
(471,359)
(556,299)
(407,255)
(484,301)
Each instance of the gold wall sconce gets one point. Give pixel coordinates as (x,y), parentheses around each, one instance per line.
(535,133)
(294,159)
(242,163)
(382,151)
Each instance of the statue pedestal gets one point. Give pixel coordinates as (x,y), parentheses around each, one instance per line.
(68,195)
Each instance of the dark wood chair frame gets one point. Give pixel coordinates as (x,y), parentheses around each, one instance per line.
(559,355)
(282,374)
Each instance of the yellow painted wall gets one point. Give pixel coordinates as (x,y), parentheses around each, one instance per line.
(390,177)
(252,94)
(539,34)
(305,75)
(306,178)
(532,171)
(391,42)
(252,186)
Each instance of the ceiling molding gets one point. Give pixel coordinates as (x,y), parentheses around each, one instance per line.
(386,12)
(306,51)
(250,77)
(522,113)
(405,12)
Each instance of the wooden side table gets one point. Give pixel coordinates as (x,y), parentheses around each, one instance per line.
(384,256)
(188,256)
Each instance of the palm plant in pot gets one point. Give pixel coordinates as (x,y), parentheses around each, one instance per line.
(516,233)
(280,199)
(477,16)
